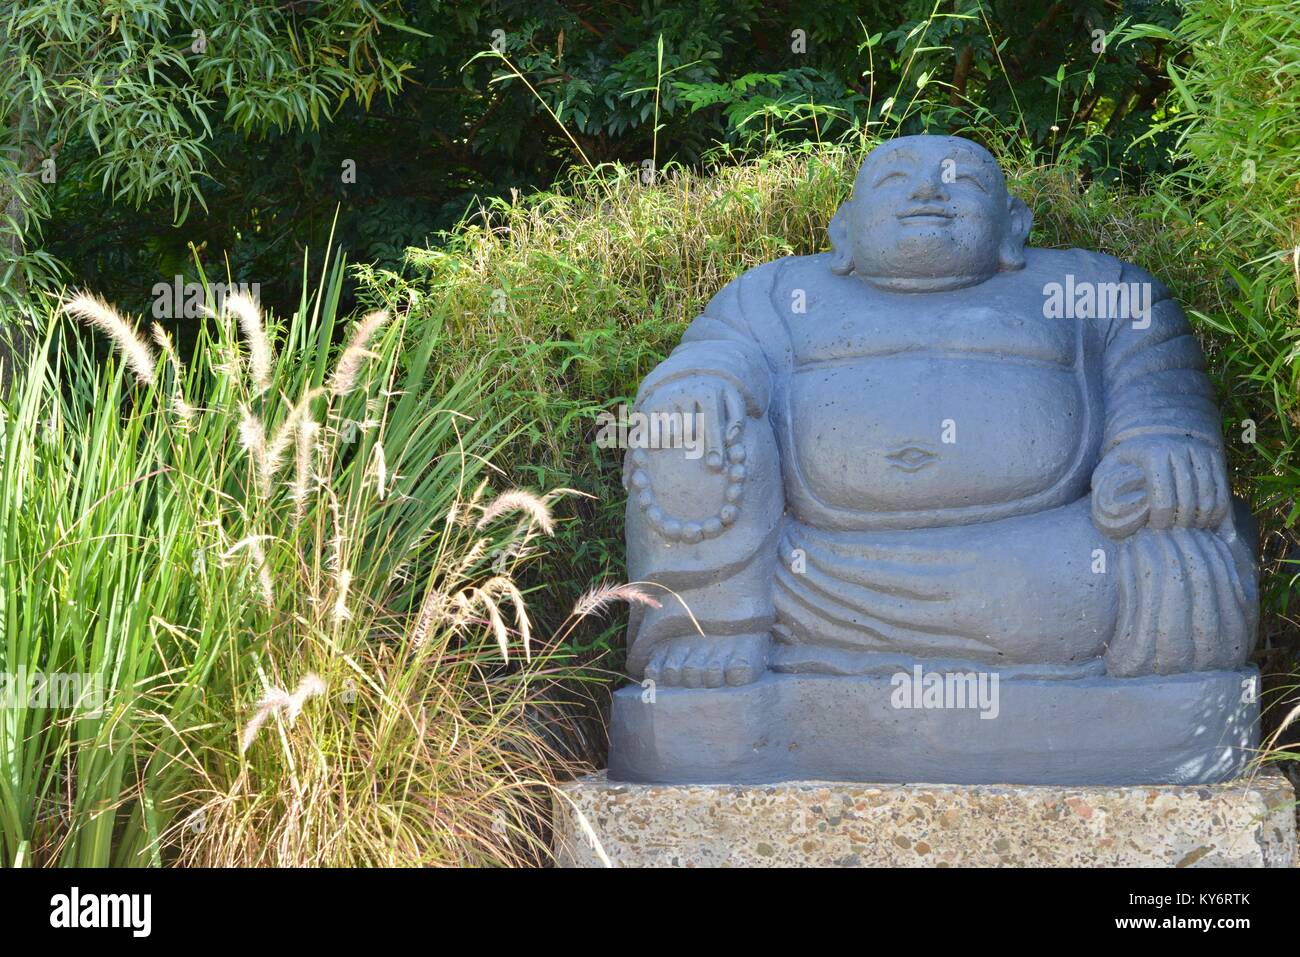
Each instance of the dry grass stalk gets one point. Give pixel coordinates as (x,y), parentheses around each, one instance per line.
(344,379)
(518,500)
(137,354)
(279,700)
(260,356)
(597,599)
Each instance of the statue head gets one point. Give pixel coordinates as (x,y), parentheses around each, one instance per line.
(929,213)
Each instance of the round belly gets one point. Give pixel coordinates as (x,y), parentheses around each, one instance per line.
(903,433)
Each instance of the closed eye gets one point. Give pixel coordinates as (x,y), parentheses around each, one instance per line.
(973,179)
(888,176)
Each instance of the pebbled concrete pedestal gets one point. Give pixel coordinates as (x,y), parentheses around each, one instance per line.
(1245,823)
(1174,729)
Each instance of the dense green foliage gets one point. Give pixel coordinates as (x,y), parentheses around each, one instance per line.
(125,97)
(1238,183)
(440,105)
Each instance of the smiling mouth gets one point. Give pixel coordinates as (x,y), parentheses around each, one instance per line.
(926,216)
(911,459)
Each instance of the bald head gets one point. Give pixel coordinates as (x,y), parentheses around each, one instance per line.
(929,212)
(951,153)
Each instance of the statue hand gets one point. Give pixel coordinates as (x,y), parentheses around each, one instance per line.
(713,406)
(1160,482)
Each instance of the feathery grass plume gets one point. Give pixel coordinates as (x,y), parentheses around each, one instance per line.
(344,379)
(260,357)
(432,609)
(263,574)
(93,311)
(184,411)
(254,545)
(334,562)
(252,436)
(162,338)
(471,599)
(518,500)
(597,599)
(303,464)
(502,584)
(473,555)
(182,408)
(344,581)
(338,540)
(285,435)
(277,699)
(460,510)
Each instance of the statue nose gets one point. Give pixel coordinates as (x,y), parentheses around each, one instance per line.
(929,188)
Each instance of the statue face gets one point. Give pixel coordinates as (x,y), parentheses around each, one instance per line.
(931,212)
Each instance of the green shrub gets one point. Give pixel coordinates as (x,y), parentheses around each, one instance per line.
(261,534)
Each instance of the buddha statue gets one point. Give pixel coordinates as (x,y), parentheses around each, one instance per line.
(933,448)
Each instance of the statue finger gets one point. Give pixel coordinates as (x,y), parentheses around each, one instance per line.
(1211,489)
(708,420)
(1202,479)
(1124,482)
(735,413)
(1119,498)
(1161,492)
(1186,505)
(1120,521)
(673,438)
(1222,492)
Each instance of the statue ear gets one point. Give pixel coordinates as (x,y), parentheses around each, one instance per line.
(841,248)
(1020,219)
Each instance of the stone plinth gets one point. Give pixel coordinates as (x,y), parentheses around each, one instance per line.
(1249,822)
(1199,728)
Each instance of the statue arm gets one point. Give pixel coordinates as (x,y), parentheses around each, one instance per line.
(1162,462)
(1164,470)
(721,344)
(1155,383)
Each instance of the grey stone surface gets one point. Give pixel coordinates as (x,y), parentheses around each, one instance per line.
(935,445)
(1194,728)
(1245,823)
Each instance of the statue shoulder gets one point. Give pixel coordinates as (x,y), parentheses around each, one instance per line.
(766,275)
(745,294)
(1095,266)
(801,270)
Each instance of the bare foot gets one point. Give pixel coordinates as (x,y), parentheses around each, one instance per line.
(699,662)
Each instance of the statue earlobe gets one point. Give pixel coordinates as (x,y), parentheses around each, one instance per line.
(1020,219)
(841,248)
